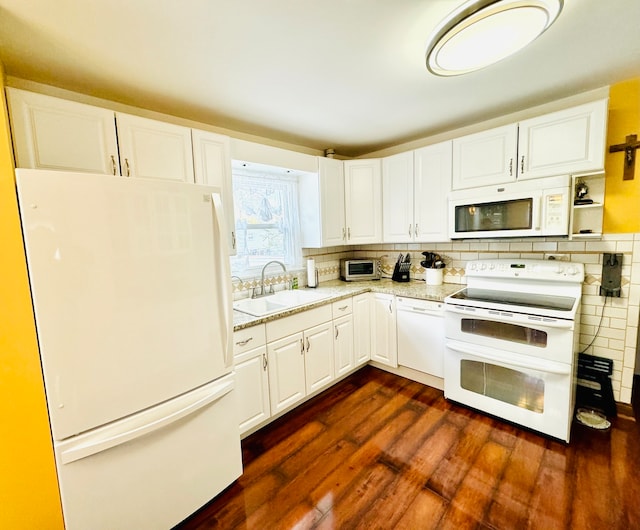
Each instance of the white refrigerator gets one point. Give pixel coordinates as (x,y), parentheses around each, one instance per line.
(131,293)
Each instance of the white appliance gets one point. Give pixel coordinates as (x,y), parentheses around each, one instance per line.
(421,335)
(537,207)
(512,341)
(131,292)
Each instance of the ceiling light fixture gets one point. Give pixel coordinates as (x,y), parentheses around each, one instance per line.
(482,32)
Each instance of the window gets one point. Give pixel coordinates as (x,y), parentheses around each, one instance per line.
(267,220)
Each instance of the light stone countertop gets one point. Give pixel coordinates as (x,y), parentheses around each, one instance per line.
(337,290)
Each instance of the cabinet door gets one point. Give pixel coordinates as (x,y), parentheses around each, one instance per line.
(332,194)
(286,372)
(432,184)
(397,198)
(343,344)
(154,149)
(485,158)
(53,133)
(252,388)
(362,318)
(363,201)
(318,359)
(568,141)
(212,166)
(384,347)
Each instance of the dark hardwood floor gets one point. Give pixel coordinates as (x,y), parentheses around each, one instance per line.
(378,451)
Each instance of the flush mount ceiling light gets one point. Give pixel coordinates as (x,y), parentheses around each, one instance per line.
(483,32)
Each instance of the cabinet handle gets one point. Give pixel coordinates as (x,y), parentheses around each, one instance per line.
(113,164)
(308,345)
(416,230)
(337,331)
(511,167)
(349,233)
(244,342)
(233,240)
(126,163)
(343,308)
(264,362)
(344,234)
(409,230)
(301,347)
(522,165)
(390,311)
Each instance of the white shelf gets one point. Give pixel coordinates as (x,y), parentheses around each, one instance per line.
(588,216)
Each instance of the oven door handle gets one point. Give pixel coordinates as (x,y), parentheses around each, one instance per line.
(516,319)
(542,365)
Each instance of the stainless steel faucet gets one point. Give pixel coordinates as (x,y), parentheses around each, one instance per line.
(262,293)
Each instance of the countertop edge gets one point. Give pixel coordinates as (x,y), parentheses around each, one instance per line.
(339,290)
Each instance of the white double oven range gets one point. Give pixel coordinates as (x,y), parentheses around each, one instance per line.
(512,341)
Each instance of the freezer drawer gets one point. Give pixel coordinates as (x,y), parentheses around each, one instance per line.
(153,469)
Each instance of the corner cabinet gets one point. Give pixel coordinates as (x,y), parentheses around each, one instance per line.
(564,142)
(321,197)
(586,219)
(53,133)
(212,166)
(363,201)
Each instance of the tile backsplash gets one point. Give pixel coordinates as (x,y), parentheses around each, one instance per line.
(617,338)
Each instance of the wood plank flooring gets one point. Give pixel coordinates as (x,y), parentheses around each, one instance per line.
(378,451)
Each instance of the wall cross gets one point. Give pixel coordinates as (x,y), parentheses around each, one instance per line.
(629,148)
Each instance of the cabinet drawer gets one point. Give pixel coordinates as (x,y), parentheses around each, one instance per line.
(248,339)
(295,323)
(342,307)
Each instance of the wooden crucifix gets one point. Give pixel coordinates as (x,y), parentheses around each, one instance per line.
(629,148)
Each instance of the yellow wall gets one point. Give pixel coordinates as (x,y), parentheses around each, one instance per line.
(29,495)
(622,197)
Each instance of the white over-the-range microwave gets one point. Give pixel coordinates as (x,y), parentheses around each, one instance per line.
(528,208)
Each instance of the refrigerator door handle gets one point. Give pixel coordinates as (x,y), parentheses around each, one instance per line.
(223,271)
(143,423)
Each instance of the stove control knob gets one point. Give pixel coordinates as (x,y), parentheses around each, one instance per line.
(483,266)
(572,271)
(559,269)
(472,266)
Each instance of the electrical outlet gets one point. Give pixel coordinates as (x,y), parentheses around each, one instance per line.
(611,274)
(558,257)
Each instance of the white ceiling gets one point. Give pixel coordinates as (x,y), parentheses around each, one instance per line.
(346,74)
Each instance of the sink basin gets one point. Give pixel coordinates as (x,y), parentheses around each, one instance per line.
(280,301)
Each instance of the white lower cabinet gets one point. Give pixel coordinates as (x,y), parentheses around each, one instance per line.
(252,379)
(384,344)
(362,327)
(318,357)
(300,356)
(286,372)
(343,344)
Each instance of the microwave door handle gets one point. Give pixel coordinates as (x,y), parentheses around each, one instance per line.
(537,213)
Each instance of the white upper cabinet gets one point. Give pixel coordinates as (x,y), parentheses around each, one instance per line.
(322,208)
(485,158)
(212,166)
(564,142)
(432,184)
(415,185)
(363,201)
(154,149)
(53,133)
(397,198)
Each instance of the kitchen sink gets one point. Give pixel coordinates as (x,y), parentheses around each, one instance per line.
(280,301)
